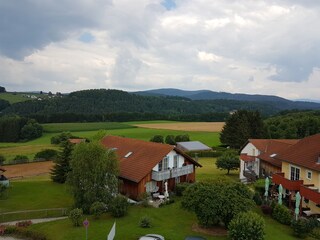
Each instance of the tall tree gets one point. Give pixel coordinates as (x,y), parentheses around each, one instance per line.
(2,89)
(241,126)
(94,175)
(229,160)
(62,167)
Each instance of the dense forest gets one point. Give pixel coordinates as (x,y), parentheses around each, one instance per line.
(115,105)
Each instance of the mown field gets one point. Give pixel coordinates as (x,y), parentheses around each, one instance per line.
(88,130)
(18,97)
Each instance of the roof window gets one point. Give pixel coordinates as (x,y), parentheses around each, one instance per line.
(273,155)
(128,154)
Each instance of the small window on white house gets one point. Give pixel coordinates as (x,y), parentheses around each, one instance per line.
(175,161)
(165,163)
(309,175)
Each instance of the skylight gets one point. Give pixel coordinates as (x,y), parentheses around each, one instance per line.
(128,154)
(273,155)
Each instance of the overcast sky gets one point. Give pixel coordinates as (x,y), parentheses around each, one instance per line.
(239,46)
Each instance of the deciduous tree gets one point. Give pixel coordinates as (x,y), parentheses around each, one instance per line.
(94,175)
(229,160)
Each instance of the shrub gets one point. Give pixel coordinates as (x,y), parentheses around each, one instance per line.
(170,140)
(143,198)
(62,137)
(315,233)
(2,159)
(97,208)
(257,198)
(247,225)
(75,216)
(24,223)
(157,139)
(282,214)
(119,206)
(47,154)
(24,233)
(145,222)
(20,159)
(300,228)
(266,209)
(181,187)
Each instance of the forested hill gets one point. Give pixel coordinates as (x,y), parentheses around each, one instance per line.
(115,105)
(211,95)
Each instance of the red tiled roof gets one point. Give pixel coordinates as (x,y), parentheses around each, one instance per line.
(245,157)
(2,169)
(304,153)
(143,158)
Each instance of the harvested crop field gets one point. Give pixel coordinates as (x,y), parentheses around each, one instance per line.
(186,126)
(27,169)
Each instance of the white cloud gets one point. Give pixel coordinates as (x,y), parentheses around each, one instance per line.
(258,47)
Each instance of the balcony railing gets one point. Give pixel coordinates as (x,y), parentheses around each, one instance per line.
(250,175)
(292,185)
(310,193)
(172,173)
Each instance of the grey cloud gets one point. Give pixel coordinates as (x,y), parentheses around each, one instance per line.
(30,25)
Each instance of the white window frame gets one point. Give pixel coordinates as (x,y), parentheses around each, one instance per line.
(176,161)
(165,163)
(295,174)
(307,174)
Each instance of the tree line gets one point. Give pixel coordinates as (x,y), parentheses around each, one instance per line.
(115,105)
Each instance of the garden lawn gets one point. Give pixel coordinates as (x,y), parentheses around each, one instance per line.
(29,195)
(209,171)
(170,221)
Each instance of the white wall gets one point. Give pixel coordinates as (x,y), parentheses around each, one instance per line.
(170,164)
(250,150)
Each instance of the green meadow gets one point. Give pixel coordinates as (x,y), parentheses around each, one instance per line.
(88,130)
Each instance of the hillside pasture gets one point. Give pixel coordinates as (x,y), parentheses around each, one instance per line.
(185,126)
(87,126)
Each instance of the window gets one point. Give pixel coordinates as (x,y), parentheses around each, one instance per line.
(309,174)
(176,161)
(177,180)
(160,166)
(295,173)
(165,163)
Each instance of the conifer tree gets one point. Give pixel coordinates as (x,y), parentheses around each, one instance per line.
(62,167)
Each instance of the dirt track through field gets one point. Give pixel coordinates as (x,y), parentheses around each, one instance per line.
(27,169)
(189,126)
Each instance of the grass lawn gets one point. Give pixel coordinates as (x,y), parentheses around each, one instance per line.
(35,194)
(13,98)
(209,171)
(76,127)
(170,221)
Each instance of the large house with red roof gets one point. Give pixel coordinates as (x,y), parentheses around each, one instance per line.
(257,157)
(300,172)
(146,166)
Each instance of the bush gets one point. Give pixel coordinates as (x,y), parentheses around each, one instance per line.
(168,202)
(20,159)
(266,209)
(282,214)
(170,140)
(24,233)
(145,222)
(157,139)
(257,198)
(182,138)
(75,216)
(47,154)
(2,159)
(181,187)
(143,198)
(300,228)
(247,225)
(315,233)
(119,206)
(62,137)
(24,223)
(97,208)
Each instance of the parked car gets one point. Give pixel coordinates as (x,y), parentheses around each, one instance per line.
(194,238)
(152,237)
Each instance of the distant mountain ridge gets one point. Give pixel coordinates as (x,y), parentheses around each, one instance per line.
(211,95)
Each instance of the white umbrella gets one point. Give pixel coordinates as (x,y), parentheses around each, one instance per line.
(266,186)
(297,209)
(280,195)
(166,193)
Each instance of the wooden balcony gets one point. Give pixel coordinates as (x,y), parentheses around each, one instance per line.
(278,178)
(172,173)
(311,193)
